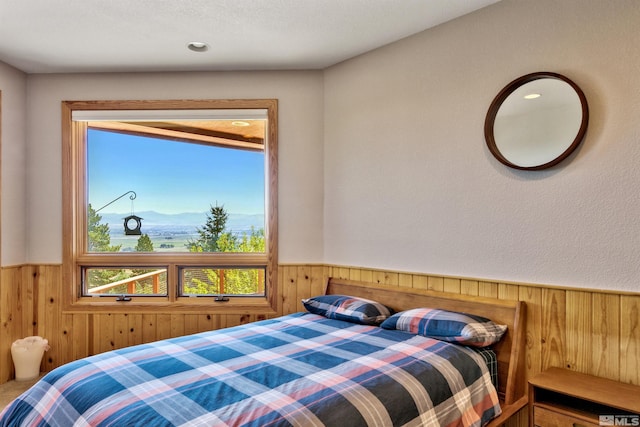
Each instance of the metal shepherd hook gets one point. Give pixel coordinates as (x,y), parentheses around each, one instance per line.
(132,196)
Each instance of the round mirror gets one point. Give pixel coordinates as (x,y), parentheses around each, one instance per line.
(536,121)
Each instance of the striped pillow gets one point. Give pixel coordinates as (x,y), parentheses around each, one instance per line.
(450,326)
(348,308)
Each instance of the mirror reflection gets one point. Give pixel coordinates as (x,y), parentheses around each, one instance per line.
(536,121)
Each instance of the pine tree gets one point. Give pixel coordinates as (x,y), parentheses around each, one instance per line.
(98,240)
(144,244)
(212,231)
(98,234)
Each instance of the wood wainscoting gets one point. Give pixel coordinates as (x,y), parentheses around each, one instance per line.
(586,330)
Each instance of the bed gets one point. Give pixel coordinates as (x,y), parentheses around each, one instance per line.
(310,368)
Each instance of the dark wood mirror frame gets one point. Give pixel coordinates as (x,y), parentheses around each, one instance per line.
(508,90)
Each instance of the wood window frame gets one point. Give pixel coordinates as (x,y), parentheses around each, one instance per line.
(75,213)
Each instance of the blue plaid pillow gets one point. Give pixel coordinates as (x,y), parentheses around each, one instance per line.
(450,326)
(350,309)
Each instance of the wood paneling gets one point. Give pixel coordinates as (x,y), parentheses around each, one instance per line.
(605,335)
(585,330)
(591,331)
(553,328)
(10,325)
(629,339)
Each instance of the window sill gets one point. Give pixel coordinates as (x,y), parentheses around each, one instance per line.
(199,305)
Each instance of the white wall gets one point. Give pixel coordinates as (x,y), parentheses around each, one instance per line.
(410,184)
(13,190)
(299,139)
(407,182)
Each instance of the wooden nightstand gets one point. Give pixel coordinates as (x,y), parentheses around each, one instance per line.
(562,398)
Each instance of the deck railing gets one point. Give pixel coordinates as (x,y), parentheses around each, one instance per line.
(156,283)
(131,283)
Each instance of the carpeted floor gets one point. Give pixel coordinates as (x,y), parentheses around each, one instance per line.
(13,389)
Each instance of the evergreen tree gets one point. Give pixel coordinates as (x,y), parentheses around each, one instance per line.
(98,234)
(211,232)
(144,244)
(98,240)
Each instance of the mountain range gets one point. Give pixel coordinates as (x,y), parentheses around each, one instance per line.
(186,219)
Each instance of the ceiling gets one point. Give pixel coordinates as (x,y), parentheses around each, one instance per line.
(245,134)
(65,36)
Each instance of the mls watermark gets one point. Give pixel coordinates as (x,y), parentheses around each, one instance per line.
(619,420)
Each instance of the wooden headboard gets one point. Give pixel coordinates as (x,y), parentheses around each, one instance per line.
(510,350)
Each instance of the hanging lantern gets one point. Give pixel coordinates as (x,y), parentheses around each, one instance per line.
(132,225)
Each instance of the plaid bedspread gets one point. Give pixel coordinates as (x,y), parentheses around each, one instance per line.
(298,370)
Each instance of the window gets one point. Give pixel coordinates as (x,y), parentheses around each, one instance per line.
(170,204)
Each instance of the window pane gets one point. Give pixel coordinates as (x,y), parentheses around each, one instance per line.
(124,281)
(191,197)
(222,281)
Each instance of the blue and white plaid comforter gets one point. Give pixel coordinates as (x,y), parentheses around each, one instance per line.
(297,370)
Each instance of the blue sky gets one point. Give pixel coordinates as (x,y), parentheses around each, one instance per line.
(172,177)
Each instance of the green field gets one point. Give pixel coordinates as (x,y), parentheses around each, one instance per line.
(163,243)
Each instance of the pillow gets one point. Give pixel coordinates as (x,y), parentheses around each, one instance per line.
(350,309)
(450,326)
